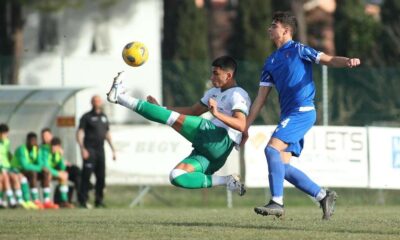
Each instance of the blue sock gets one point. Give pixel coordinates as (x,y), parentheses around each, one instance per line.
(276,171)
(301,181)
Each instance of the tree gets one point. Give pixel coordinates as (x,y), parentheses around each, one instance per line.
(185,52)
(391,32)
(250,44)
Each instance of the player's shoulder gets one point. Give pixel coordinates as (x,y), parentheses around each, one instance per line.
(239,91)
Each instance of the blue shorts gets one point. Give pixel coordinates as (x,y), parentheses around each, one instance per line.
(292,128)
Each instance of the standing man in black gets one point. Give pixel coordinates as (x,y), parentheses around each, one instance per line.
(92,131)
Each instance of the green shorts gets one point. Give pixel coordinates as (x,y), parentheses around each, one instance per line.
(212,146)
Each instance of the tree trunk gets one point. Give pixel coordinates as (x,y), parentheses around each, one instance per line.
(17,40)
(298,11)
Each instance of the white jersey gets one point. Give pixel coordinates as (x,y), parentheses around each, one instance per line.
(230,100)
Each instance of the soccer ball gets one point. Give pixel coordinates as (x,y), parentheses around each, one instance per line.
(135,54)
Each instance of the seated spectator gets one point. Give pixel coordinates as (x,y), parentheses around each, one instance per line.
(56,165)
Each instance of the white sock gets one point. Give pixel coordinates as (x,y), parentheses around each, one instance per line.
(321,195)
(10,196)
(278,200)
(219,180)
(127,101)
(46,190)
(172,118)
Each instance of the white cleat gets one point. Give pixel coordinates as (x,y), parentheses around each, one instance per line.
(116,88)
(235,185)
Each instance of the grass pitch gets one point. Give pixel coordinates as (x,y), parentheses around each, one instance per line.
(192,215)
(200,223)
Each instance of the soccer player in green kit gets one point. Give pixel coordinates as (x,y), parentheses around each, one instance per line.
(212,140)
(12,177)
(56,165)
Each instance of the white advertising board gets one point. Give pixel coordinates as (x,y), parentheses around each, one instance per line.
(384,155)
(332,156)
(147,153)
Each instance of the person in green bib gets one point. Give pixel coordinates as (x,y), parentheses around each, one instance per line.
(24,159)
(56,165)
(5,185)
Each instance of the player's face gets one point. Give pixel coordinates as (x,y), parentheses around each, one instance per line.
(46,137)
(220,78)
(3,135)
(97,102)
(277,30)
(32,142)
(55,148)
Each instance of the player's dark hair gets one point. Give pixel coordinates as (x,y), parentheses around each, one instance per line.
(31,135)
(226,63)
(46,129)
(287,19)
(55,141)
(4,128)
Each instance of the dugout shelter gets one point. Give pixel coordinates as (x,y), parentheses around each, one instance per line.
(30,109)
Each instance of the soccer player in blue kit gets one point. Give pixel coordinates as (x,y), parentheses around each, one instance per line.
(289,69)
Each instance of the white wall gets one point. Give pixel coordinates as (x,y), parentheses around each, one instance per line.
(126,21)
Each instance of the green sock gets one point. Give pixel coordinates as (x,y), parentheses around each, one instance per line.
(153,112)
(193,180)
(64,193)
(35,194)
(1,196)
(25,190)
(161,115)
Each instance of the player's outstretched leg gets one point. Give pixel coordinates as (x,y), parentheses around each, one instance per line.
(151,111)
(328,204)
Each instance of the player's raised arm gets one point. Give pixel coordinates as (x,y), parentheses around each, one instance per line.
(338,61)
(236,121)
(258,103)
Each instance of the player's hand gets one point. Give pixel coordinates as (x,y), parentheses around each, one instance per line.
(353,62)
(114,156)
(152,100)
(245,136)
(85,153)
(213,106)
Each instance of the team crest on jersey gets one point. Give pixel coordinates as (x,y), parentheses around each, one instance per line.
(103,119)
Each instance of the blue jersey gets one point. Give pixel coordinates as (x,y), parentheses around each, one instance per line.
(289,69)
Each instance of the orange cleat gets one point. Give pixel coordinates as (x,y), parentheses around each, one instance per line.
(50,205)
(39,204)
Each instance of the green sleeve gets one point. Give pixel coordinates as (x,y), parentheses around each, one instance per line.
(24,162)
(61,165)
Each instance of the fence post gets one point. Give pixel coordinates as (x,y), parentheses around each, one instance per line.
(325,97)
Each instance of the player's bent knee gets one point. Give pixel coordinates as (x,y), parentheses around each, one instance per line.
(270,150)
(174,174)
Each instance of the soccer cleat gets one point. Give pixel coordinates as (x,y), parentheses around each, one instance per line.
(39,204)
(66,205)
(85,206)
(235,185)
(50,205)
(116,88)
(272,208)
(31,205)
(328,204)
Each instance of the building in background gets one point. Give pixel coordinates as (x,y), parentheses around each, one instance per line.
(81,47)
